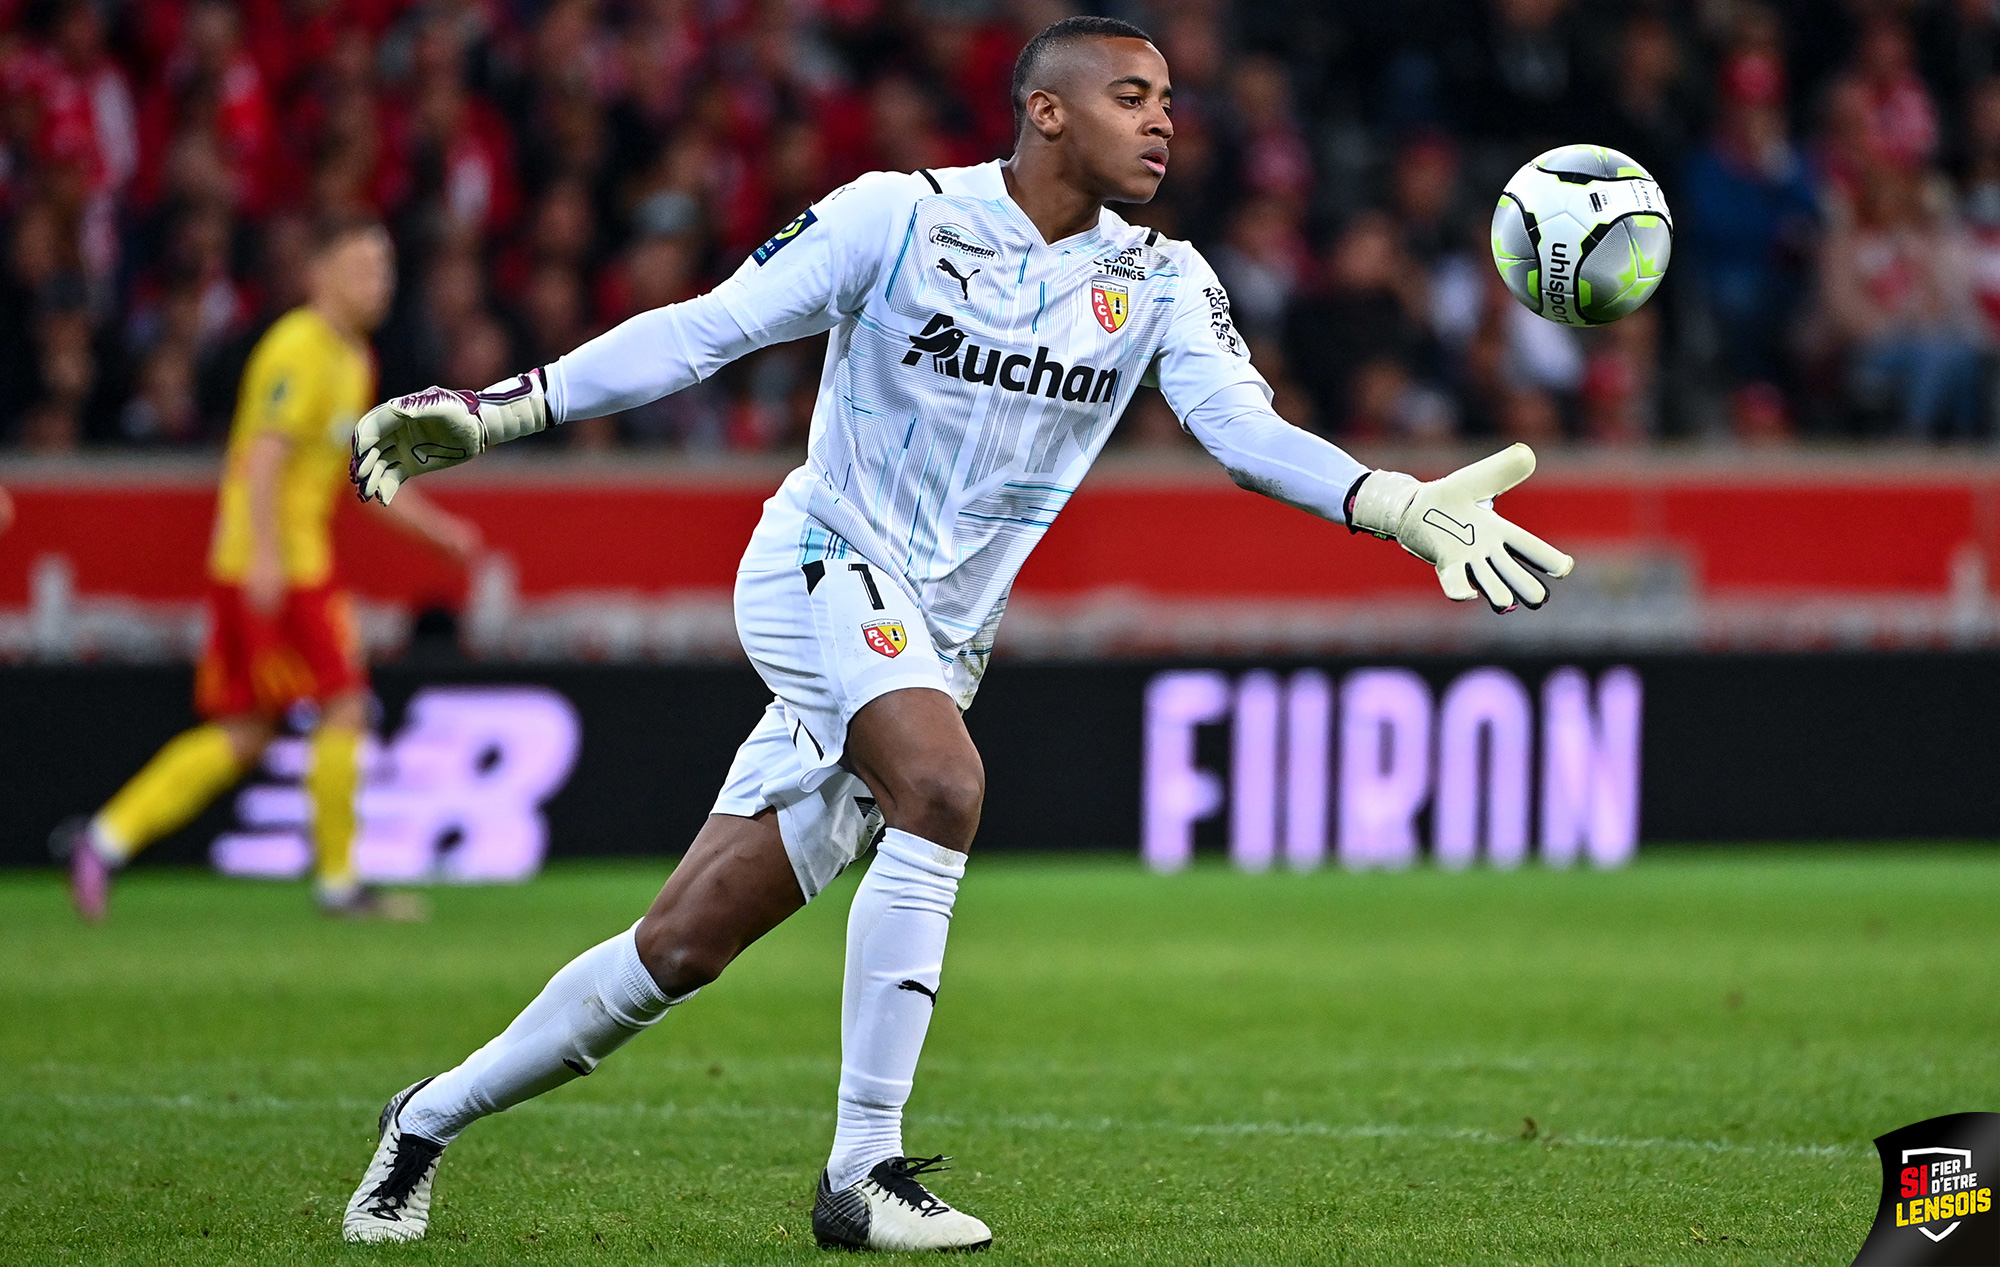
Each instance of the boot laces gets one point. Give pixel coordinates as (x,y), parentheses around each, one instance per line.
(412,1160)
(898,1177)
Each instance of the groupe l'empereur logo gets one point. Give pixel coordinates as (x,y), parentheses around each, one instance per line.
(952,237)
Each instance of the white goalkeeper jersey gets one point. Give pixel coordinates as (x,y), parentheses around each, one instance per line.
(974,372)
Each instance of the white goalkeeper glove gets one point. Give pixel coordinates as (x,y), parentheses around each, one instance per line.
(435,428)
(1450,523)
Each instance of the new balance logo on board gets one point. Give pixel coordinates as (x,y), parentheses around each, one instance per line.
(954,356)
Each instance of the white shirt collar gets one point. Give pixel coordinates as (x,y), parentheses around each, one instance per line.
(987,181)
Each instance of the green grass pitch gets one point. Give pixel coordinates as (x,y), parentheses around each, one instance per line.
(1679,1063)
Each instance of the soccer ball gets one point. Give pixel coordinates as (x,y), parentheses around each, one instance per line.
(1582,235)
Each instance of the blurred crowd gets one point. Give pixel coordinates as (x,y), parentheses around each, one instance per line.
(550,167)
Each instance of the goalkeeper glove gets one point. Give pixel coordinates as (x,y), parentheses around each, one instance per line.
(1450,523)
(435,428)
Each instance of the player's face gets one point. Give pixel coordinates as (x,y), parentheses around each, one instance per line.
(1121,117)
(358,275)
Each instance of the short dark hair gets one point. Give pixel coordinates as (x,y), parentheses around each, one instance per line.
(1029,64)
(332,228)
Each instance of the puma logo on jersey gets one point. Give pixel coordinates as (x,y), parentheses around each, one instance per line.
(955,356)
(964,280)
(918,987)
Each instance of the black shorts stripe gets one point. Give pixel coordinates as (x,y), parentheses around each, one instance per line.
(800,729)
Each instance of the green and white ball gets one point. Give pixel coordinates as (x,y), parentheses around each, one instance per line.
(1582,235)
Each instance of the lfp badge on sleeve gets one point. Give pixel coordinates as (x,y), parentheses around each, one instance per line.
(1937,1194)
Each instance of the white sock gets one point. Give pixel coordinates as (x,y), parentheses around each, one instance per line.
(590,1009)
(336,890)
(115,852)
(895,935)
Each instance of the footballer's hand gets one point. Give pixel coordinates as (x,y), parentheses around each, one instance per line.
(1451,524)
(438,427)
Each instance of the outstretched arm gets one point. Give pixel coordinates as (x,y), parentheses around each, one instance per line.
(1204,371)
(669,349)
(1265,454)
(801,282)
(1448,523)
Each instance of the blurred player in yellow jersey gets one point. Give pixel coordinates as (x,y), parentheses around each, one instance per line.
(280,630)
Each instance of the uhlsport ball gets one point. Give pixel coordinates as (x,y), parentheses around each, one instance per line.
(1582,235)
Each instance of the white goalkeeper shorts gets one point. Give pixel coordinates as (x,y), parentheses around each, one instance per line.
(827,638)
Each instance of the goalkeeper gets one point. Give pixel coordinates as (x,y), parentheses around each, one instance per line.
(280,631)
(989,325)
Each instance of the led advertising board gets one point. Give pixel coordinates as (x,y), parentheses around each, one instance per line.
(480,771)
(1316,763)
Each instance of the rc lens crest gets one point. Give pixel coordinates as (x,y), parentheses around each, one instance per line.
(885,637)
(1110,303)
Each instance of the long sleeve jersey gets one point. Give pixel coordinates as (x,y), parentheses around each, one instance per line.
(973,373)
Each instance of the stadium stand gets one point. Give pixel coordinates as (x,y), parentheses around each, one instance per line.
(551,168)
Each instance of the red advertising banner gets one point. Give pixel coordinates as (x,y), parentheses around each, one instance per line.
(1856,525)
